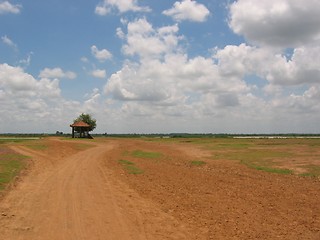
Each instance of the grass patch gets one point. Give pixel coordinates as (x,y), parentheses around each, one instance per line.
(37,146)
(255,154)
(125,162)
(10,165)
(143,154)
(267,169)
(312,171)
(16,140)
(197,163)
(130,167)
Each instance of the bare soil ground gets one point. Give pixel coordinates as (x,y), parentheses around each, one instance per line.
(73,192)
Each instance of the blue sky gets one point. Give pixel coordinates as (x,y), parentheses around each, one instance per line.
(145,66)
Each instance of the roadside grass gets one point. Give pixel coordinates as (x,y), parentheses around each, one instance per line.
(11,163)
(197,163)
(10,166)
(130,167)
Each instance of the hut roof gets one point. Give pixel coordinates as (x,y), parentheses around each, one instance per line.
(80,124)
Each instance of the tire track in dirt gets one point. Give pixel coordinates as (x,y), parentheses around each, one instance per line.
(77,197)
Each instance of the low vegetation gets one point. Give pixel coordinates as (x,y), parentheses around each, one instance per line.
(144,154)
(130,167)
(37,146)
(10,166)
(197,163)
(11,163)
(281,156)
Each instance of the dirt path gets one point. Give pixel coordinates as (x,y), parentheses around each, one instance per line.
(71,194)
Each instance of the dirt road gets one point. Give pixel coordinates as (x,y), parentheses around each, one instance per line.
(70,194)
(77,191)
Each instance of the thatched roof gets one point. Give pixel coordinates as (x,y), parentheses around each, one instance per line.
(80,124)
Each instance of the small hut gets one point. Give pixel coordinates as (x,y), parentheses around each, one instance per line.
(81,128)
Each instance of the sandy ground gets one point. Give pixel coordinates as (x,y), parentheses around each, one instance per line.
(70,193)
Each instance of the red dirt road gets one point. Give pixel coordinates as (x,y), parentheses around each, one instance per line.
(70,193)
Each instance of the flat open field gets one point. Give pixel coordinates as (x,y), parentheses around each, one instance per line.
(164,189)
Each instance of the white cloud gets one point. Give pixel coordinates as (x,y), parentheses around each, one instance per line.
(167,90)
(93,102)
(145,41)
(279,23)
(188,10)
(33,105)
(302,68)
(120,33)
(56,73)
(84,59)
(6,40)
(106,6)
(101,55)
(167,77)
(7,7)
(14,79)
(26,62)
(166,83)
(99,73)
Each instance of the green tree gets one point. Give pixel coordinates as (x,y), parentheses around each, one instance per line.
(87,118)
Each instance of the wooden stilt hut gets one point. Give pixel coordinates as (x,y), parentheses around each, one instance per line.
(81,128)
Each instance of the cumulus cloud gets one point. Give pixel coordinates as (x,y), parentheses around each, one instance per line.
(302,68)
(167,81)
(33,105)
(188,10)
(99,73)
(56,73)
(171,91)
(106,6)
(7,7)
(145,41)
(279,23)
(92,103)
(120,33)
(14,79)
(101,55)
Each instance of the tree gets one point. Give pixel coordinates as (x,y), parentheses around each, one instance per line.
(87,118)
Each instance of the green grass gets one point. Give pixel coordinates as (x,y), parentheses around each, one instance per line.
(130,167)
(259,166)
(197,163)
(143,154)
(16,140)
(259,154)
(312,171)
(37,146)
(125,162)
(10,166)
